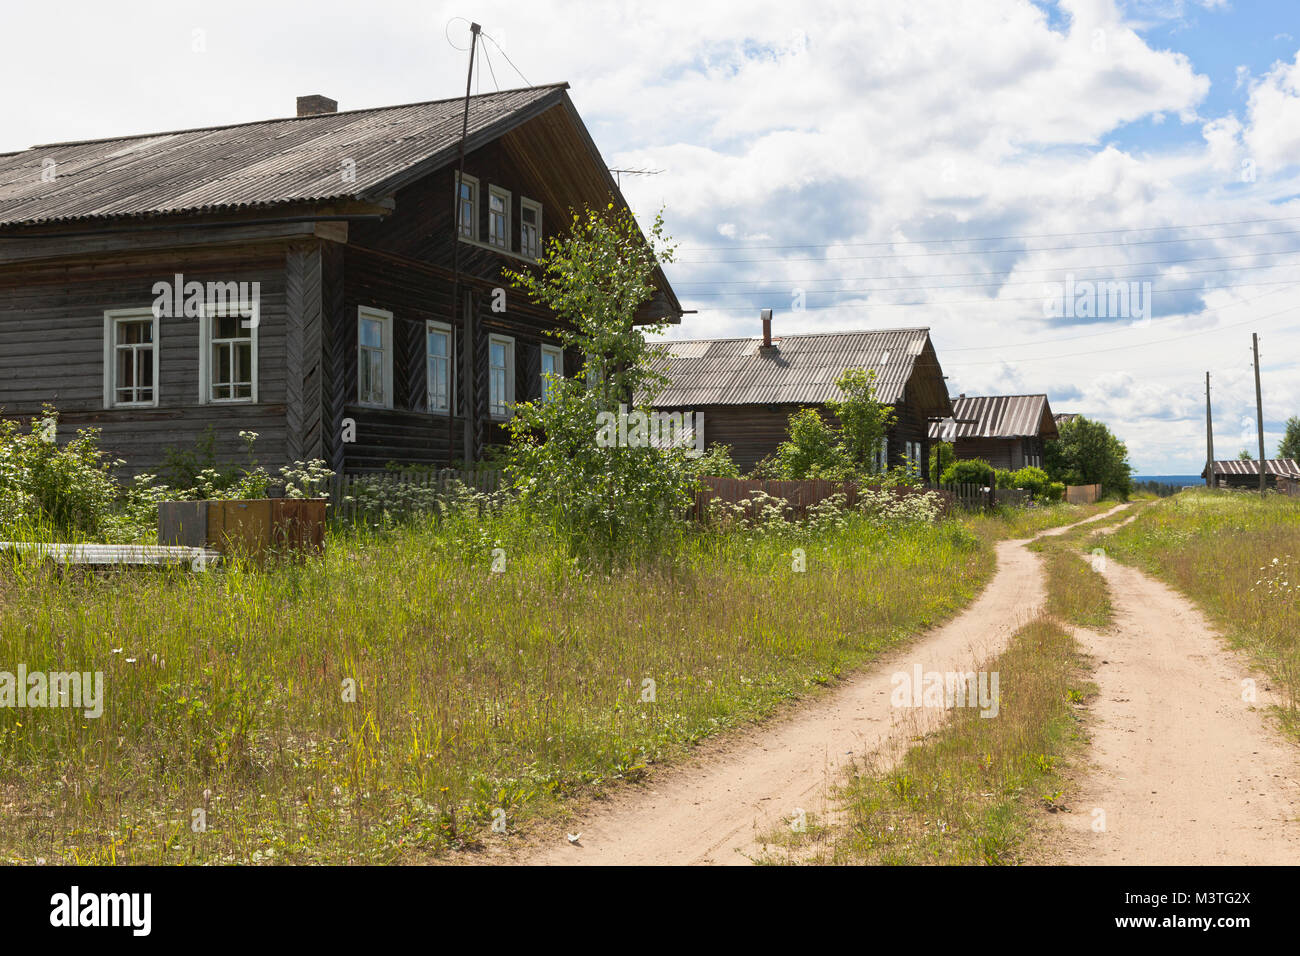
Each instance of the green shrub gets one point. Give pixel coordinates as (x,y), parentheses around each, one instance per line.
(969,471)
(1036,482)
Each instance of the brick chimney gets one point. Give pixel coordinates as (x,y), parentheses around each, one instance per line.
(316,105)
(767,348)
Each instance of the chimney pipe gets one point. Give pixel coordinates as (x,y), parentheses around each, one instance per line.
(316,105)
(766,315)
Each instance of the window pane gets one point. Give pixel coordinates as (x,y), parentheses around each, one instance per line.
(221,364)
(125,369)
(372,333)
(438,343)
(498,355)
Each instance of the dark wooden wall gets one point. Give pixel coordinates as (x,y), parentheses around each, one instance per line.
(755,431)
(52,350)
(1006,453)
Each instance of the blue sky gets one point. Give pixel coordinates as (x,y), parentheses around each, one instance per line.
(842,163)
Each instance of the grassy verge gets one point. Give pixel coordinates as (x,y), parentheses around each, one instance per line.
(1238,557)
(384,702)
(970,792)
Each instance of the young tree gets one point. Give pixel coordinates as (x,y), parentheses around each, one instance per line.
(1245,455)
(1087,453)
(864,421)
(606,497)
(1290,447)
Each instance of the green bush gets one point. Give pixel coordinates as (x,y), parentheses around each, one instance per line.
(1036,482)
(67,492)
(969,471)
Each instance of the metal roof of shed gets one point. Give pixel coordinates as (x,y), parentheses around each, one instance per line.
(801,370)
(997,416)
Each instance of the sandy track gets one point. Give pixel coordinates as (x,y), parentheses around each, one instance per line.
(1185,771)
(713,810)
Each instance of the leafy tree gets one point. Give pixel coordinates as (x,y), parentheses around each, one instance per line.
(606,497)
(817,449)
(1087,453)
(813,450)
(1245,455)
(1290,447)
(864,421)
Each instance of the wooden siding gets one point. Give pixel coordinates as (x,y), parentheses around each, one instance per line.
(1010,454)
(52,350)
(755,431)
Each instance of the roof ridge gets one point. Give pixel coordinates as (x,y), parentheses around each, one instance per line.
(285,119)
(799,335)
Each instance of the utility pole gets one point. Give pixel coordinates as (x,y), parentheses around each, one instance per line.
(1209,437)
(467,342)
(1259,411)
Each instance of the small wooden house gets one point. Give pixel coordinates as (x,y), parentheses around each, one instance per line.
(1244,473)
(384,330)
(747,389)
(1007,431)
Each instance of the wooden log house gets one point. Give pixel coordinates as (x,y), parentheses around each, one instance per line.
(349,224)
(747,388)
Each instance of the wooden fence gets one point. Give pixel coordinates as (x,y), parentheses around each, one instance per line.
(799,496)
(1082,494)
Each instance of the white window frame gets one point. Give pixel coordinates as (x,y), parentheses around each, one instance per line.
(443,327)
(558,352)
(525,203)
(206,326)
(472,182)
(509,397)
(112,317)
(386,319)
(504,196)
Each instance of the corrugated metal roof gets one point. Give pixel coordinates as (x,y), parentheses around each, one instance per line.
(802,370)
(1272,466)
(251,164)
(997,416)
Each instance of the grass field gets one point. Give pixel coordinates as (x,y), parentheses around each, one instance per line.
(1238,557)
(397,697)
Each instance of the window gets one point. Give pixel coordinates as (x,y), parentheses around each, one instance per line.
(530,228)
(467,206)
(501,375)
(882,455)
(437,338)
(130,358)
(913,454)
(227,359)
(375,357)
(553,365)
(498,217)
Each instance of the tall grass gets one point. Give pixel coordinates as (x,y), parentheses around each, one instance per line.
(476,690)
(1238,557)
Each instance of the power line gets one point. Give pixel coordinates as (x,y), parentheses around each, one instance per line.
(1139,345)
(1031,235)
(992,301)
(990,252)
(958,275)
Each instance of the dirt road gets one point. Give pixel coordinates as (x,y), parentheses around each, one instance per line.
(1184,771)
(712,810)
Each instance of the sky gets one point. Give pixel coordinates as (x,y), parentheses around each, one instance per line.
(980,167)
